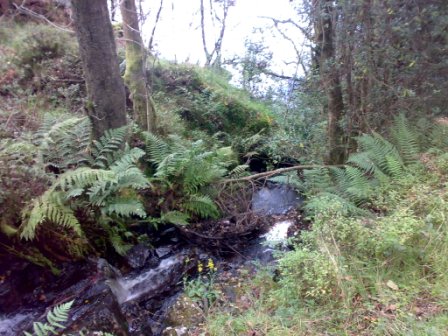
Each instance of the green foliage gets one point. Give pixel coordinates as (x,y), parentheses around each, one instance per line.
(38,42)
(377,163)
(97,180)
(206,101)
(406,139)
(55,319)
(188,169)
(63,142)
(348,270)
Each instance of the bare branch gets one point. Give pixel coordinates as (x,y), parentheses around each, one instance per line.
(155,25)
(22,9)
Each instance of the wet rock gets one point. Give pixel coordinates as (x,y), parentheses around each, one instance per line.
(12,325)
(97,309)
(153,281)
(275,199)
(140,256)
(164,251)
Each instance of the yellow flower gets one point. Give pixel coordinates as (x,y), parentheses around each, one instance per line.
(210,264)
(200,267)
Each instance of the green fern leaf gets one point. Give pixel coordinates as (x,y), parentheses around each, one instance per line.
(406,139)
(106,150)
(176,217)
(201,205)
(156,147)
(125,207)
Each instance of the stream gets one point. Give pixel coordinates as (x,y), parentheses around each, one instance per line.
(139,301)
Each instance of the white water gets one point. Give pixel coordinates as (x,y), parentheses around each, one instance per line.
(129,288)
(278,232)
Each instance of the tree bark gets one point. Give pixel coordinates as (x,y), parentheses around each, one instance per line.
(325,49)
(106,104)
(135,75)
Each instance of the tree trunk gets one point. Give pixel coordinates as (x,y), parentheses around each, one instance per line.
(105,89)
(329,73)
(135,75)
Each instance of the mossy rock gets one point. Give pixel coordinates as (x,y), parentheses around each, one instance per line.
(184,313)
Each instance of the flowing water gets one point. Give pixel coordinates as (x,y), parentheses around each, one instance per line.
(143,296)
(133,287)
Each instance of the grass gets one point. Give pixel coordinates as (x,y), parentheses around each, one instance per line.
(384,275)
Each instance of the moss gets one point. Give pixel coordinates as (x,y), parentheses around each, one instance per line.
(206,101)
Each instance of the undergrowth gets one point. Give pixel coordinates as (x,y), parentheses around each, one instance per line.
(374,262)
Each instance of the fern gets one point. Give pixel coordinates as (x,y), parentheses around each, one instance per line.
(288,178)
(381,154)
(201,205)
(406,139)
(52,205)
(377,162)
(106,150)
(239,171)
(176,217)
(325,203)
(86,187)
(156,147)
(188,168)
(438,137)
(124,207)
(55,319)
(64,144)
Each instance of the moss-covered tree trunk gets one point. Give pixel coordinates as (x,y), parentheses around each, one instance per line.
(135,75)
(105,88)
(329,74)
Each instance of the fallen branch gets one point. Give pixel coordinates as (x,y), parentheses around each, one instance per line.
(276,172)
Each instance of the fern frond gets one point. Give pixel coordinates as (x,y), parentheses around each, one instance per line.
(439,137)
(55,318)
(125,207)
(406,139)
(239,171)
(82,178)
(176,217)
(156,147)
(201,205)
(127,160)
(65,144)
(59,314)
(49,207)
(119,245)
(317,180)
(105,151)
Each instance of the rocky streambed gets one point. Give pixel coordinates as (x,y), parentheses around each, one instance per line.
(146,298)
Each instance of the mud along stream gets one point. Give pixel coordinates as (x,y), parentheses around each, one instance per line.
(141,300)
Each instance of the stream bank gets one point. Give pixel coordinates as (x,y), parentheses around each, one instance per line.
(147,299)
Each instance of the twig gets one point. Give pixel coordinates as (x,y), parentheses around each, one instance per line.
(22,9)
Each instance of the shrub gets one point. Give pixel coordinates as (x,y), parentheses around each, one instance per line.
(37,42)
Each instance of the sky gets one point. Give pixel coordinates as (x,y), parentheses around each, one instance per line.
(178,34)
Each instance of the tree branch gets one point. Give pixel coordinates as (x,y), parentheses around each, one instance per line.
(276,172)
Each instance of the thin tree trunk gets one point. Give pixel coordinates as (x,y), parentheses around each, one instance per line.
(323,12)
(105,89)
(135,75)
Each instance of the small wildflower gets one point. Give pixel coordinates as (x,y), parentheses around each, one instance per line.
(200,267)
(210,265)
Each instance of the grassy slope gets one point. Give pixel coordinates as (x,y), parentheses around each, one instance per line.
(367,276)
(205,101)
